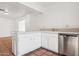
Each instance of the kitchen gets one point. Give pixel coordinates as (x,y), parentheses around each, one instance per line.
(62,43)
(49,25)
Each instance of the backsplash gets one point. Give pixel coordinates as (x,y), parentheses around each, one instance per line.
(62,29)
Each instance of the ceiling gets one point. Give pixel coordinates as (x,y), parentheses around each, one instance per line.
(15,10)
(46,5)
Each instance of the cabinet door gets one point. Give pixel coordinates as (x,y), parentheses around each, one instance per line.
(36,40)
(24,44)
(53,42)
(45,40)
(28,42)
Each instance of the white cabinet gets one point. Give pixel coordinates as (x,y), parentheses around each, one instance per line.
(36,40)
(26,42)
(45,40)
(53,42)
(50,41)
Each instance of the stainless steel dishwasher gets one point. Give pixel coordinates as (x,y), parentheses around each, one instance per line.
(68,45)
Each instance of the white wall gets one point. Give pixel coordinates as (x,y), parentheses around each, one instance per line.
(59,15)
(35,21)
(27,22)
(6,27)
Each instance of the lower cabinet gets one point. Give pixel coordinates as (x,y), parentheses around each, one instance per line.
(50,41)
(53,42)
(24,44)
(36,43)
(27,43)
(45,40)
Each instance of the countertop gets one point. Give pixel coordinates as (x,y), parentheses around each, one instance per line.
(47,32)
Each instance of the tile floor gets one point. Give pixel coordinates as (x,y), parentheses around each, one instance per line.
(41,52)
(6,50)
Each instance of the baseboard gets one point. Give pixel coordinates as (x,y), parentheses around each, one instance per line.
(9,37)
